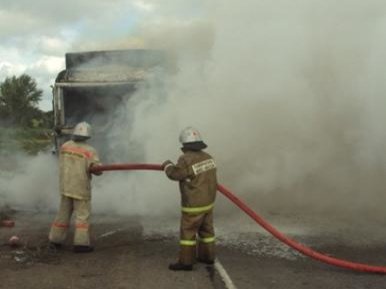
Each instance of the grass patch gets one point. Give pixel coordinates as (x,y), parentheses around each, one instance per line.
(29,140)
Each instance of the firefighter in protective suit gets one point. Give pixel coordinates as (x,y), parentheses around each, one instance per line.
(197,176)
(75,159)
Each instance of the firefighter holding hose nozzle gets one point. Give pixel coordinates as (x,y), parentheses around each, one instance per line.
(197,176)
(75,160)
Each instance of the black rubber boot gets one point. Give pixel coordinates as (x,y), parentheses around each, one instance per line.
(180,267)
(54,246)
(207,262)
(83,249)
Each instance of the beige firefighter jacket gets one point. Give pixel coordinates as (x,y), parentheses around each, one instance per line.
(197,175)
(74,162)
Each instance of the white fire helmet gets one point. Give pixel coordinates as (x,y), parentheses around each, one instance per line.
(82,129)
(191,138)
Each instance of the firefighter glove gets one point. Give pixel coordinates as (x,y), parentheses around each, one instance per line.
(97,173)
(166,164)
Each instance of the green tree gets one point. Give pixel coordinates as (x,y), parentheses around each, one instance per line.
(19,97)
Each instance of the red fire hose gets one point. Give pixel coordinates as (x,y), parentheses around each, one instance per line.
(293,244)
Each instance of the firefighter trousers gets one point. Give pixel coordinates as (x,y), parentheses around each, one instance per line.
(196,238)
(61,224)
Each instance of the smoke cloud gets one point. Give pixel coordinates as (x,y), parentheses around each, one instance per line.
(288,95)
(29,182)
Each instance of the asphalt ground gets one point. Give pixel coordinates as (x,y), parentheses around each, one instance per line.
(134,252)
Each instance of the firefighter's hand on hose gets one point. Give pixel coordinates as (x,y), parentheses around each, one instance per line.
(93,171)
(166,164)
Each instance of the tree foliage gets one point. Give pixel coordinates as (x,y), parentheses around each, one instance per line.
(19,97)
(23,126)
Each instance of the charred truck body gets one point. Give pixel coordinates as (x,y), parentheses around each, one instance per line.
(95,86)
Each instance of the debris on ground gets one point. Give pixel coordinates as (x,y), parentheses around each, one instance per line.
(28,255)
(20,256)
(7,223)
(14,241)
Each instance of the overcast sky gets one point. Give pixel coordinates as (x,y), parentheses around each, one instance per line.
(35,35)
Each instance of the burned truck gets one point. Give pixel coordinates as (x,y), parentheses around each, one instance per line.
(95,87)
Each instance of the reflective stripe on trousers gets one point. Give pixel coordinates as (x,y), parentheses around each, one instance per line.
(197,210)
(188,242)
(196,237)
(60,225)
(206,240)
(193,242)
(59,228)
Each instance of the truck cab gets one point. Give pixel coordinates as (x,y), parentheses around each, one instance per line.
(96,87)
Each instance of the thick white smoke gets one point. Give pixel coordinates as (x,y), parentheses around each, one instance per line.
(287,94)
(29,182)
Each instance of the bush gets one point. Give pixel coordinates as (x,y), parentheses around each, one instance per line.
(28,140)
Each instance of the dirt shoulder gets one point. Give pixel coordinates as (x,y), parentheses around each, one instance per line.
(124,258)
